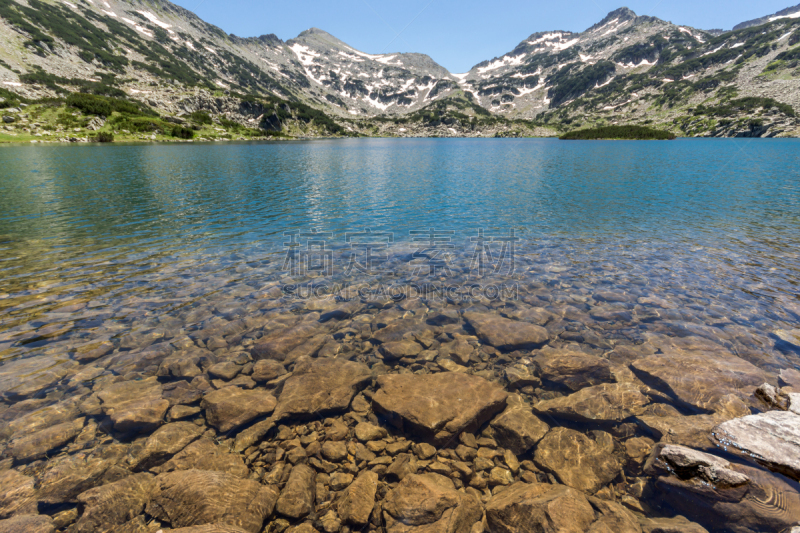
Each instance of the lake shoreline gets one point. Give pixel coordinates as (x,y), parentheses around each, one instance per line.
(83,142)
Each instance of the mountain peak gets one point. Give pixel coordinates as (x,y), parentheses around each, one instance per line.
(314,32)
(622,14)
(320,37)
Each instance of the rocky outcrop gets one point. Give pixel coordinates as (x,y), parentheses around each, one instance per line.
(718,494)
(438,407)
(668,459)
(772,439)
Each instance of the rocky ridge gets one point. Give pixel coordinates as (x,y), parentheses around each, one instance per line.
(625,69)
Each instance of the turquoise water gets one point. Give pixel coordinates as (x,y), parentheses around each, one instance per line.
(228,194)
(104,224)
(123,262)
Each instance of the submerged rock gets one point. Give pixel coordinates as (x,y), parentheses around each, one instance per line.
(303,340)
(164,443)
(267,370)
(27,524)
(789,336)
(297,497)
(578,461)
(438,407)
(43,418)
(505,334)
(210,528)
(699,379)
(40,443)
(66,476)
(613,518)
(613,402)
(320,388)
(231,407)
(17,494)
(517,428)
(24,378)
(679,524)
(397,350)
(668,425)
(399,330)
(429,502)
(194,498)
(523,508)
(573,370)
(358,500)
(204,455)
(110,506)
(720,495)
(134,406)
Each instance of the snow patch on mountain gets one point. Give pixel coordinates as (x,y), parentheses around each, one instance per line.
(789,16)
(152,18)
(305,54)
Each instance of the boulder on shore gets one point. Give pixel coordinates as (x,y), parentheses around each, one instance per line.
(771,438)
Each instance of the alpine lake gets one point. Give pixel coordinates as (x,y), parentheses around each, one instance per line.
(401,336)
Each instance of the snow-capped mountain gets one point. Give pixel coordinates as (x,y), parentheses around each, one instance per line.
(624,68)
(366,84)
(157,45)
(549,69)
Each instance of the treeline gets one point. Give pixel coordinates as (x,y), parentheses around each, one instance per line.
(638,133)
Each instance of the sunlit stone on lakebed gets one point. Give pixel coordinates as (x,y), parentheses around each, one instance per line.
(606,384)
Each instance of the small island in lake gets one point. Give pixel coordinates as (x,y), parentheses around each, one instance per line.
(627,133)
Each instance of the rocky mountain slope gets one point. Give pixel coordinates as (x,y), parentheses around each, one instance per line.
(624,69)
(641,69)
(789,12)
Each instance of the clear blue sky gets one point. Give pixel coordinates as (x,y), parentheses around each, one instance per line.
(456,33)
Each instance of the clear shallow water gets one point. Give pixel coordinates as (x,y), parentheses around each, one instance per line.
(102,224)
(146,247)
